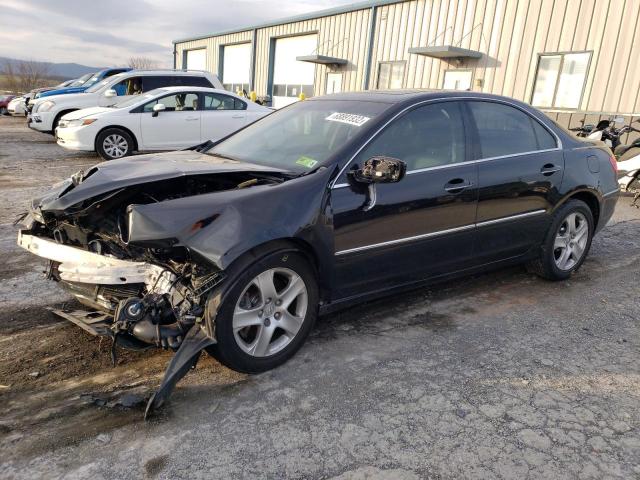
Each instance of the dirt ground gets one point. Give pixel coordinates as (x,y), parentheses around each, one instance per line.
(501,375)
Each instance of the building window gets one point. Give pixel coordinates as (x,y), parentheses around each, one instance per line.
(292,90)
(390,75)
(236,87)
(560,80)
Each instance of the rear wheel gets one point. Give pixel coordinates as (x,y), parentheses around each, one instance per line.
(267,315)
(3,110)
(567,242)
(114,143)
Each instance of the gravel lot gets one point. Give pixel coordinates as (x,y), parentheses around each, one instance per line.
(498,376)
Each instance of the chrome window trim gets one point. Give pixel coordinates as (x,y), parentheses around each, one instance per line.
(458,164)
(440,232)
(559,145)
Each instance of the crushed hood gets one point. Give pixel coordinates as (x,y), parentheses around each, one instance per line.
(117,174)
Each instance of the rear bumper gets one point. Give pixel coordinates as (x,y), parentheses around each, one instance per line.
(608,205)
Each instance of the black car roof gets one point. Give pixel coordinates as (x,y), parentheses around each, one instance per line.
(398,99)
(401,96)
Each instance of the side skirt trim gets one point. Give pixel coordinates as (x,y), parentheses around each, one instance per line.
(441,232)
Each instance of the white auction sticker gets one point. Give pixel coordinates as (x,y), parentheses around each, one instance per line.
(349,118)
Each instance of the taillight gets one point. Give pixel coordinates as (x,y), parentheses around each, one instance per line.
(614,163)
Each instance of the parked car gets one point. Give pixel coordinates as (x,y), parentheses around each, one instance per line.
(167,118)
(236,247)
(16,107)
(83,85)
(48,111)
(29,96)
(4,103)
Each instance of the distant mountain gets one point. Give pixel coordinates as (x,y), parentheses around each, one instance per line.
(59,70)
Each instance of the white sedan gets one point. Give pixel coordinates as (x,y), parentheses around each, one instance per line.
(168,118)
(17,107)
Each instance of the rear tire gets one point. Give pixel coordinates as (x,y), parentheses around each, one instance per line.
(3,111)
(114,143)
(275,297)
(566,243)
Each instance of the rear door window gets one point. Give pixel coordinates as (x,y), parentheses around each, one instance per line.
(218,101)
(505,130)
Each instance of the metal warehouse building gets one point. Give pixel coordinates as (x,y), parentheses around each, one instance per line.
(571,58)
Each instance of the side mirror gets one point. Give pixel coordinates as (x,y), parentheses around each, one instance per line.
(110,93)
(618,120)
(380,170)
(157,108)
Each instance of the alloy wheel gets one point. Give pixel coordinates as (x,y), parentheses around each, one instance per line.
(571,241)
(270,312)
(115,145)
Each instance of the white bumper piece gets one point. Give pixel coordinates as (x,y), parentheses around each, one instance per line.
(81,266)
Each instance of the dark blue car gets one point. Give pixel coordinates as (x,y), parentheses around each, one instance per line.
(81,87)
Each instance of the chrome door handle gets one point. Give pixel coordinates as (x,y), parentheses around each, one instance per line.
(191,119)
(237,116)
(549,169)
(457,185)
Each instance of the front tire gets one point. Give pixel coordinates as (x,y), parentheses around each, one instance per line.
(114,143)
(267,314)
(566,243)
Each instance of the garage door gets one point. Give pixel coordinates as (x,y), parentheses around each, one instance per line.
(291,77)
(236,67)
(197,59)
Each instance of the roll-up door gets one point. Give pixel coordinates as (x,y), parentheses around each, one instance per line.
(236,67)
(290,76)
(197,59)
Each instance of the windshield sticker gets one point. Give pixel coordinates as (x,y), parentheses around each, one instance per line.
(306,162)
(348,118)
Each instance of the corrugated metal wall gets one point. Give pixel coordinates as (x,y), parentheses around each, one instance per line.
(510,33)
(342,36)
(212,44)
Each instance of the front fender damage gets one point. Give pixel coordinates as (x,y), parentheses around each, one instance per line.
(184,360)
(154,261)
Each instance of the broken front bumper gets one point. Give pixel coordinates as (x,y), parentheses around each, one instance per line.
(82,266)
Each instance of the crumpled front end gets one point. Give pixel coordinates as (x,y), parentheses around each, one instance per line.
(141,304)
(146,243)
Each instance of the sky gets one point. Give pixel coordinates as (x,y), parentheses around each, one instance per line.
(104,33)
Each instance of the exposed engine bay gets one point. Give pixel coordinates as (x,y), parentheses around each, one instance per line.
(144,293)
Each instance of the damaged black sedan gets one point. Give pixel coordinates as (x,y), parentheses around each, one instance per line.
(237,247)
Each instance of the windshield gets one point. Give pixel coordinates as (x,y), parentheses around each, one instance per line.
(140,98)
(81,80)
(91,81)
(302,136)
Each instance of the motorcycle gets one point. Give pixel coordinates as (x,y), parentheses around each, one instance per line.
(628,157)
(583,130)
(607,132)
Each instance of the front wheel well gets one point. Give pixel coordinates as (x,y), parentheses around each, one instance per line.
(57,118)
(120,127)
(592,202)
(283,244)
